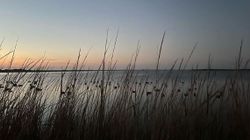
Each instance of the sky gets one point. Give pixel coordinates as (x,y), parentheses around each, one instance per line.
(57,29)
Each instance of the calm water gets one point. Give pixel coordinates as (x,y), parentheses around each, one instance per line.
(89,82)
(51,81)
(116,76)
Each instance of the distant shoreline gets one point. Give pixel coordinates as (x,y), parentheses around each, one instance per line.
(58,70)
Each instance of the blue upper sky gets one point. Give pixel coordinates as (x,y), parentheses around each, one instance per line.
(61,27)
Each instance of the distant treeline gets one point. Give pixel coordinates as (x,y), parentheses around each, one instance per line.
(60,70)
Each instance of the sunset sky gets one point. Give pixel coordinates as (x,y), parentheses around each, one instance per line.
(59,28)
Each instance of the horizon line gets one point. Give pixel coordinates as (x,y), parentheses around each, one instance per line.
(72,70)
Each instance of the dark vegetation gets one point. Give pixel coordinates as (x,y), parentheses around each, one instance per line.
(97,106)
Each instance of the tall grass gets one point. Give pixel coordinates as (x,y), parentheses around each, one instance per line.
(98,105)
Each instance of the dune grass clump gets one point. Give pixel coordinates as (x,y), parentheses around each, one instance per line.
(99,105)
